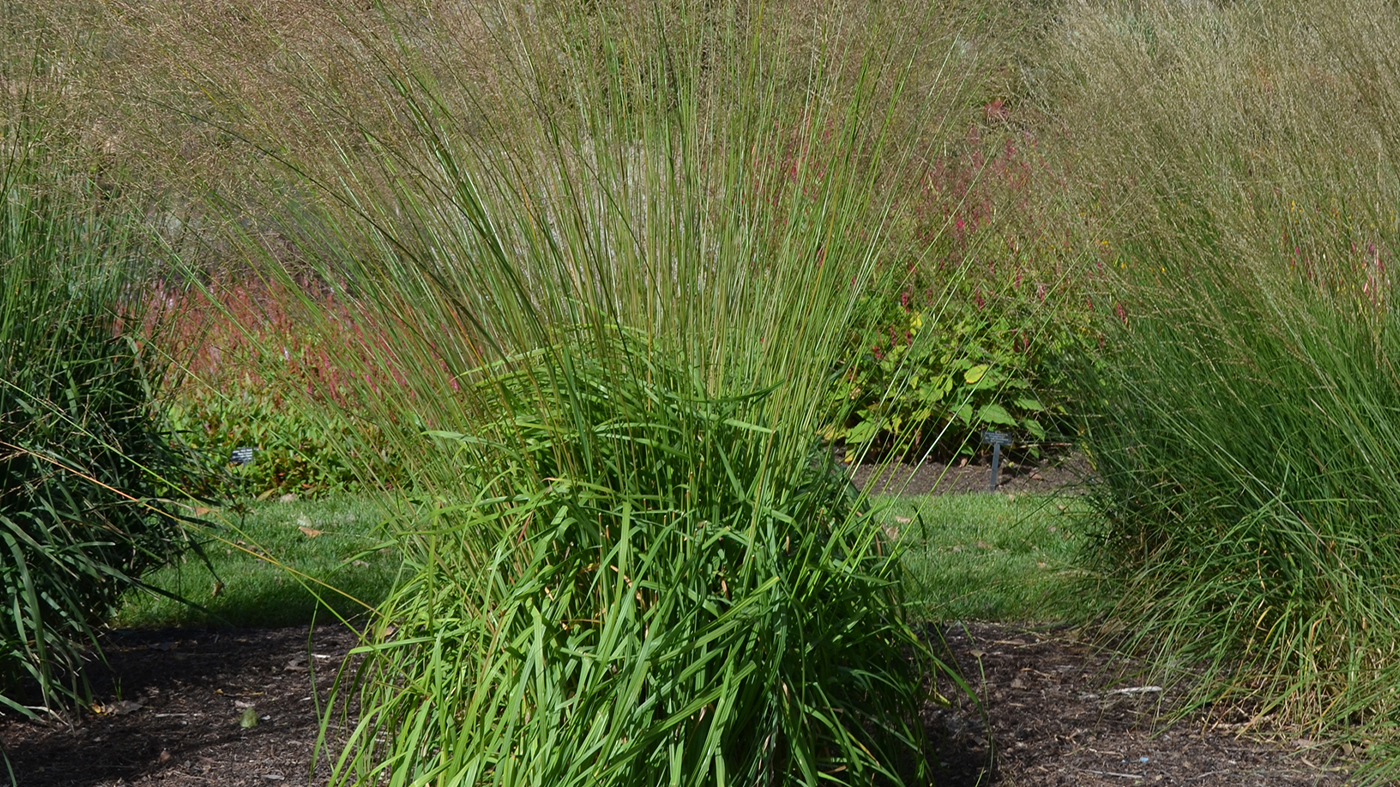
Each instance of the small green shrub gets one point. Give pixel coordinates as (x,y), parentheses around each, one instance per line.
(82,448)
(307,454)
(988,296)
(910,391)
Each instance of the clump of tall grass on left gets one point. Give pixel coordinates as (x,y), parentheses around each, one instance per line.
(83,452)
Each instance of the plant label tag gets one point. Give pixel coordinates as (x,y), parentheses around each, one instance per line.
(996,440)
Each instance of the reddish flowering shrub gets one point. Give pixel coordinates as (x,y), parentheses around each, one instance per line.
(250,372)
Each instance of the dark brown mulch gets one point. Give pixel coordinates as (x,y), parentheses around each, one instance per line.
(1057,719)
(1053,717)
(172,703)
(1060,474)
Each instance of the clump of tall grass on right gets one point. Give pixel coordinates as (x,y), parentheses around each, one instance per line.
(1244,417)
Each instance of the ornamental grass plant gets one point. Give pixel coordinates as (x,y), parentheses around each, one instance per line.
(634,604)
(82,448)
(1243,418)
(619,316)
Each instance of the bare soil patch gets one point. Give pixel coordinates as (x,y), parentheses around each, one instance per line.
(1054,718)
(170,706)
(1057,718)
(1065,474)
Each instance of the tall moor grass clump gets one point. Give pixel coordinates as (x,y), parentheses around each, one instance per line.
(1244,414)
(618,314)
(82,448)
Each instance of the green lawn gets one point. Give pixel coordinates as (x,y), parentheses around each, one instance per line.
(989,556)
(970,557)
(337,541)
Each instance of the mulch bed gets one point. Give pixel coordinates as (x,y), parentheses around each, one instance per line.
(172,702)
(1057,718)
(175,699)
(1062,474)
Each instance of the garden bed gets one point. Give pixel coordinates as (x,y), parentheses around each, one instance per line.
(1053,717)
(1062,474)
(171,707)
(1057,718)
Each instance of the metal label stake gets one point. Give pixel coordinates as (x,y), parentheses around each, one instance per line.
(996,440)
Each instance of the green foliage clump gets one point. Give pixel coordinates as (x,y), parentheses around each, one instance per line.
(988,295)
(919,391)
(299,452)
(654,604)
(82,449)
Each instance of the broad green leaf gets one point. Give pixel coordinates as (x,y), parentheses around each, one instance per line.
(1027,403)
(861,432)
(932,394)
(995,414)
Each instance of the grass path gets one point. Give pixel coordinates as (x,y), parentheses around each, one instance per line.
(337,541)
(991,557)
